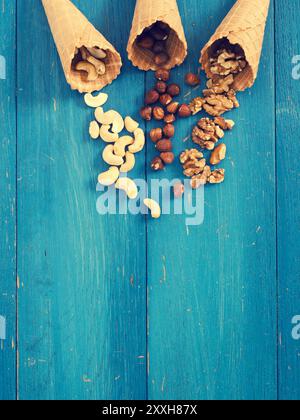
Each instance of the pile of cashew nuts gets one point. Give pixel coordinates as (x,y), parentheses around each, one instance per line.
(90,61)
(120,151)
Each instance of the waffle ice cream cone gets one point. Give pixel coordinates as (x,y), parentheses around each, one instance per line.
(71,30)
(244,25)
(147,12)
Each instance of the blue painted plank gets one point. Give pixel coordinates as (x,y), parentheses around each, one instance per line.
(212,288)
(82,300)
(288,183)
(8,202)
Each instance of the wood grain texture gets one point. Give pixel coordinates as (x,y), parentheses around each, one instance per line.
(125,307)
(212,288)
(288,183)
(8,200)
(82,297)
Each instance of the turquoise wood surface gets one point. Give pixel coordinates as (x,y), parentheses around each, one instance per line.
(124,307)
(7,202)
(288,185)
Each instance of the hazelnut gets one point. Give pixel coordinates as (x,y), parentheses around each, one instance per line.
(174,90)
(169,130)
(161,87)
(156,134)
(178,190)
(164,145)
(151,97)
(184,111)
(146,41)
(159,47)
(172,108)
(167,157)
(163,26)
(165,99)
(169,119)
(159,34)
(192,79)
(162,74)
(158,113)
(218,154)
(146,113)
(161,59)
(157,164)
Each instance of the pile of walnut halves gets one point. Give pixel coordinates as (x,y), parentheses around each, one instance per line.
(218,98)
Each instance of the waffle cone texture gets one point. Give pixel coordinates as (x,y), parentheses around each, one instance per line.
(71,30)
(245,26)
(148,12)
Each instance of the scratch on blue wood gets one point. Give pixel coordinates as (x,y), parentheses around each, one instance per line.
(288,187)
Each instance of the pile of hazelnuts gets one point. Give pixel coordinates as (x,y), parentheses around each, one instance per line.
(161,105)
(154,39)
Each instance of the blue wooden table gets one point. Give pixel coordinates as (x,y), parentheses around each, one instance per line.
(122,307)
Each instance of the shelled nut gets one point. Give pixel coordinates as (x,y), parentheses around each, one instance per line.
(169,130)
(167,157)
(184,111)
(146,42)
(156,134)
(165,99)
(157,164)
(173,107)
(164,145)
(174,90)
(151,97)
(161,59)
(192,79)
(178,190)
(146,113)
(169,119)
(154,208)
(161,87)
(218,154)
(162,74)
(158,113)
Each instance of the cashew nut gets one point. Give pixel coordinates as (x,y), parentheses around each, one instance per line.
(95,101)
(106,135)
(114,118)
(92,74)
(129,186)
(109,177)
(94,130)
(154,207)
(98,64)
(129,163)
(131,125)
(139,141)
(84,53)
(118,124)
(99,114)
(120,145)
(97,52)
(110,158)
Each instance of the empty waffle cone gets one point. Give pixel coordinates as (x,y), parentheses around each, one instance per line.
(244,26)
(148,12)
(71,31)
